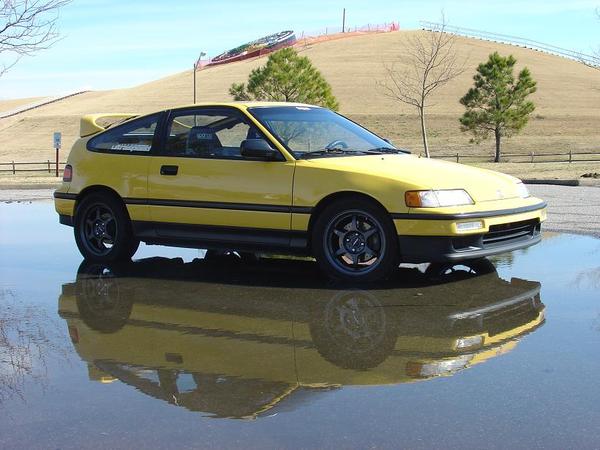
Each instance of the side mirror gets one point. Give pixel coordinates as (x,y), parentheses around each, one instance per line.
(258,149)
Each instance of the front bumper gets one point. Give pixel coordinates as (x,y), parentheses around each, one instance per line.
(517,235)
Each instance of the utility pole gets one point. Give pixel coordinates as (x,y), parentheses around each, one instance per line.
(194,70)
(196,64)
(344,21)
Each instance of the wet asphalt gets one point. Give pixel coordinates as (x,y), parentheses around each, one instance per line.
(571,209)
(176,351)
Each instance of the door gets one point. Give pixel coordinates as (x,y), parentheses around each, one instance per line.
(199,183)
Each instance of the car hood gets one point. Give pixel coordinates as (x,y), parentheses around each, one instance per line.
(423,173)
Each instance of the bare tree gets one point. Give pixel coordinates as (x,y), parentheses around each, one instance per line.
(26,27)
(431,62)
(597,52)
(29,338)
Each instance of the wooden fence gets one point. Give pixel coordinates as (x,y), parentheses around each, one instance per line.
(44,166)
(49,166)
(531,157)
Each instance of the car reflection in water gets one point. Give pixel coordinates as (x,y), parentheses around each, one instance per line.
(242,340)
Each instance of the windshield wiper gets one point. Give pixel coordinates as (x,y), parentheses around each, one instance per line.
(332,151)
(381,150)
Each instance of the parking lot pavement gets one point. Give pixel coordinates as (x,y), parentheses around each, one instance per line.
(571,209)
(24,195)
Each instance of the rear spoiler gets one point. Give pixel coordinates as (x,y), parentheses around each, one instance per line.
(89,123)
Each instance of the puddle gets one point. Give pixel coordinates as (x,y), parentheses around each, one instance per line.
(173,350)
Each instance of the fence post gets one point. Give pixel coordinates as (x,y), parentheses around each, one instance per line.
(532,155)
(49,166)
(570,155)
(457,156)
(13,165)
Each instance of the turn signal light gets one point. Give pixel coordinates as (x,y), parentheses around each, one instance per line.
(412,199)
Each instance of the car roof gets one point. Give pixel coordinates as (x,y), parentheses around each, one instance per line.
(244,104)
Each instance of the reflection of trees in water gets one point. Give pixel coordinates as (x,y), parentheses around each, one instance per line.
(587,279)
(27,340)
(503,260)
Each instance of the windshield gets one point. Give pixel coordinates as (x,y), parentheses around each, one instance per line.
(310,132)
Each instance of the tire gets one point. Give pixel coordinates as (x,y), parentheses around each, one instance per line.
(353,331)
(103,304)
(456,271)
(103,230)
(231,255)
(355,240)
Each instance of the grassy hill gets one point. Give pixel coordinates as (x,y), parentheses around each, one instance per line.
(567,114)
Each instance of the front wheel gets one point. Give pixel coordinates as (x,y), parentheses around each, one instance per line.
(103,230)
(355,240)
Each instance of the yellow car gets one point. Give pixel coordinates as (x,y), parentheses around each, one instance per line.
(285,178)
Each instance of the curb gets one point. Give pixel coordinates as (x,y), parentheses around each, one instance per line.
(553,182)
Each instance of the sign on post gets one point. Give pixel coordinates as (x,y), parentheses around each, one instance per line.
(57,145)
(57,139)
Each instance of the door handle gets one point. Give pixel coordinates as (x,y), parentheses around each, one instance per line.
(169,170)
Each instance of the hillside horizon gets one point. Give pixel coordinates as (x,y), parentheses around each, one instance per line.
(567,100)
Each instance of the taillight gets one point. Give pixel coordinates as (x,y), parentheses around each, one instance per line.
(68,173)
(73,334)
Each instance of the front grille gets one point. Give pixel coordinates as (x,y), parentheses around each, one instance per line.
(513,231)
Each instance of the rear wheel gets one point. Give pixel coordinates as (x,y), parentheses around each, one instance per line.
(103,231)
(354,239)
(103,304)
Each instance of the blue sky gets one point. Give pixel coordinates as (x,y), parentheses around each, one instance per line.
(115,43)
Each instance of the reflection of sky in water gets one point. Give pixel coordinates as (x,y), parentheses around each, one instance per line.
(542,393)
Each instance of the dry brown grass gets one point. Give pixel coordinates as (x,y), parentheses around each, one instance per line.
(567,116)
(29,181)
(7,105)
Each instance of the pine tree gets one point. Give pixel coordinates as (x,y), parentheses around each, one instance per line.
(286,77)
(497,103)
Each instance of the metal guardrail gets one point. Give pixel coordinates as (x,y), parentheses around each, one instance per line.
(586,59)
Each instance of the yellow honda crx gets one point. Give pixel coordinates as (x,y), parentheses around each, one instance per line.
(285,178)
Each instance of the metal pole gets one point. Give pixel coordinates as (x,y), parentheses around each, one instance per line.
(194,83)
(56,162)
(344,21)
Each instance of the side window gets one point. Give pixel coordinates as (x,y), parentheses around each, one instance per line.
(209,133)
(135,136)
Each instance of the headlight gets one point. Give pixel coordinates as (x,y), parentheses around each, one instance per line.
(469,342)
(437,368)
(437,199)
(522,190)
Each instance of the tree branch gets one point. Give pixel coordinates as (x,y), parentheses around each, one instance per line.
(28,26)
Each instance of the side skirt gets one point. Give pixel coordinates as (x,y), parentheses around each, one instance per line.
(221,237)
